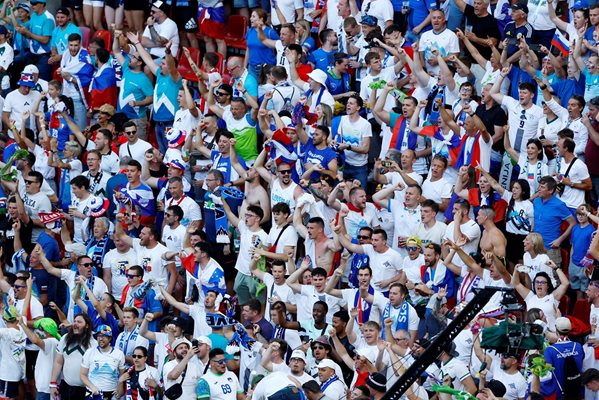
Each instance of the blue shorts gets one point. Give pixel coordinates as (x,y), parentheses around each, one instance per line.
(578,279)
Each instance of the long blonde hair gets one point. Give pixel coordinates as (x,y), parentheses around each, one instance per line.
(306,27)
(537,243)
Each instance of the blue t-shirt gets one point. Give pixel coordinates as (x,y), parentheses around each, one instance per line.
(20,42)
(549,216)
(565,88)
(41,25)
(223,164)
(321,59)
(555,355)
(338,85)
(259,53)
(60,37)
(323,157)
(419,10)
(581,240)
(165,97)
(309,44)
(591,88)
(517,76)
(135,86)
(97,320)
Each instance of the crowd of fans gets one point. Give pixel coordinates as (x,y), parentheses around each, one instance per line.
(300,212)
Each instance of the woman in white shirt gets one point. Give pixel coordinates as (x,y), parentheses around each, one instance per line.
(543,295)
(532,167)
(536,258)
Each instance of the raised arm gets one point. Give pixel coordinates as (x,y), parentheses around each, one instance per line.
(143,53)
(497,96)
(561,25)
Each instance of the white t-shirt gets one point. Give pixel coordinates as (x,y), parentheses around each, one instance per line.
(437,191)
(283,292)
(192,376)
(137,150)
(446,42)
(97,183)
(247,241)
(167,30)
(574,197)
(529,126)
(16,104)
(457,370)
(381,9)
(472,231)
(12,348)
(197,311)
(191,209)
(412,270)
(127,341)
(173,238)
(520,217)
(326,98)
(288,238)
(384,265)
(219,387)
(407,219)
(82,207)
(432,235)
(515,384)
(119,263)
(594,321)
(311,296)
(151,260)
(353,133)
(387,74)
(355,220)
(44,365)
(287,8)
(547,304)
(538,264)
(73,358)
(104,367)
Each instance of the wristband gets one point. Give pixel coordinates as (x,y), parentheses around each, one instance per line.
(543,87)
(349,148)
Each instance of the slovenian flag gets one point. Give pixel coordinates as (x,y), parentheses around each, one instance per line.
(560,42)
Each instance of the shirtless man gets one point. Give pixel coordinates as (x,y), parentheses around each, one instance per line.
(319,247)
(492,239)
(282,187)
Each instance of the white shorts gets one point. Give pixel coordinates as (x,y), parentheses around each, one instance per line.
(94,3)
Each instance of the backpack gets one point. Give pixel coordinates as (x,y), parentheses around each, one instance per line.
(572,381)
(287,105)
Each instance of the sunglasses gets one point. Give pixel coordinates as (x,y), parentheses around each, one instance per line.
(19,286)
(137,356)
(220,362)
(318,347)
(285,171)
(129,133)
(362,237)
(30,181)
(86,264)
(131,276)
(222,93)
(412,248)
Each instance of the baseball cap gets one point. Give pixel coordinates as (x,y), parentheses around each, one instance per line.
(10,314)
(107,109)
(204,340)
(38,1)
(369,20)
(31,69)
(326,363)
(63,10)
(298,354)
(24,6)
(562,324)
(377,381)
(104,330)
(176,163)
(3,30)
(520,6)
(161,5)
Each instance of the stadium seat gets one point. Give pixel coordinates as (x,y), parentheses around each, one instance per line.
(86,33)
(236,29)
(582,310)
(106,36)
(184,67)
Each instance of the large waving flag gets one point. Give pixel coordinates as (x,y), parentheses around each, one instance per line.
(560,42)
(80,68)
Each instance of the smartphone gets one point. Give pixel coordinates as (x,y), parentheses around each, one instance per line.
(195,343)
(387,163)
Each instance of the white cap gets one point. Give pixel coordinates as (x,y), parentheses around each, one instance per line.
(31,69)
(76,248)
(562,324)
(299,354)
(367,354)
(326,363)
(205,340)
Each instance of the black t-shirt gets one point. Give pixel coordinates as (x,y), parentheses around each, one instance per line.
(485,27)
(494,116)
(7,237)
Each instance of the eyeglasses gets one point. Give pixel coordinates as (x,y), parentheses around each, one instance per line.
(318,347)
(541,282)
(220,362)
(19,286)
(89,264)
(250,215)
(137,356)
(412,248)
(363,237)
(131,276)
(285,171)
